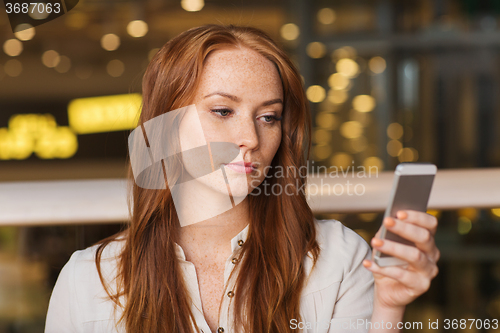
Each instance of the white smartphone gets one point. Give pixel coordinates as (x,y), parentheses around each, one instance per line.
(411,189)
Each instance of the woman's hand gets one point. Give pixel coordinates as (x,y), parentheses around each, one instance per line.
(397,286)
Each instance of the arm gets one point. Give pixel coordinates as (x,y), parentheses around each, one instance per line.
(392,315)
(397,286)
(354,303)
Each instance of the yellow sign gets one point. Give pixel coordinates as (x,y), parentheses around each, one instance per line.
(36,133)
(104,114)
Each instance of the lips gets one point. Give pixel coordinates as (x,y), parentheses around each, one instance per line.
(242,167)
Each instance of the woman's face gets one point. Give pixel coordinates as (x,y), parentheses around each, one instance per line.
(239,100)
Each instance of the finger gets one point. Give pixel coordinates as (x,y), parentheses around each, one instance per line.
(415,282)
(412,255)
(423,238)
(419,218)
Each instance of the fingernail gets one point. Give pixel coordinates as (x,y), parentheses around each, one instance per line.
(388,222)
(367,263)
(377,242)
(401,214)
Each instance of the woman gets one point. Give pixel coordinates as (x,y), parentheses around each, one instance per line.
(262,264)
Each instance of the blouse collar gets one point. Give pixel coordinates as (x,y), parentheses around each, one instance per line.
(236,243)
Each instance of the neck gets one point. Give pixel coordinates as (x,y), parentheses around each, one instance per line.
(211,238)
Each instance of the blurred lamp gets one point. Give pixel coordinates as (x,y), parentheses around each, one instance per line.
(115,68)
(51,58)
(315,94)
(12,47)
(377,65)
(363,103)
(137,28)
(110,42)
(326,16)
(24,32)
(316,50)
(192,5)
(290,31)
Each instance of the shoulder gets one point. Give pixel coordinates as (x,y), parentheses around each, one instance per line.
(79,298)
(83,262)
(90,294)
(342,251)
(335,239)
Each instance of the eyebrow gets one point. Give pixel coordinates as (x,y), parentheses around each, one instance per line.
(237,99)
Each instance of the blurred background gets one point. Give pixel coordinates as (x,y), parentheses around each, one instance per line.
(388,82)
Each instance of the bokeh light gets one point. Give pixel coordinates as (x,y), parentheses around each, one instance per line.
(338,81)
(24,32)
(395,131)
(192,5)
(408,154)
(110,42)
(115,68)
(358,144)
(394,147)
(464,225)
(326,16)
(469,212)
(316,50)
(152,53)
(363,103)
(64,64)
(342,160)
(289,31)
(36,133)
(377,65)
(137,28)
(351,129)
(51,58)
(347,67)
(37,13)
(373,164)
(12,47)
(326,120)
(337,96)
(315,93)
(344,52)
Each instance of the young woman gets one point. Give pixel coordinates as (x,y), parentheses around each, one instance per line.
(263,264)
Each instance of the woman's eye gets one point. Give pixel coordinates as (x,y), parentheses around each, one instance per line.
(271,119)
(222,112)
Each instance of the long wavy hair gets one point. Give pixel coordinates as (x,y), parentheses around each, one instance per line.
(271,271)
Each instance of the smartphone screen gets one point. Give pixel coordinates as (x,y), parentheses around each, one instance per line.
(411,190)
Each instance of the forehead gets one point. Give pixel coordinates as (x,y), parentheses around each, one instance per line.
(240,71)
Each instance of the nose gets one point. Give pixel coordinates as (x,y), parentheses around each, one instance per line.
(246,134)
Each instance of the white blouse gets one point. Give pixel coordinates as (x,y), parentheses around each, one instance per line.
(337,296)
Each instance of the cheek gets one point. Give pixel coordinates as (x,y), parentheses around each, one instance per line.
(190,130)
(214,130)
(272,143)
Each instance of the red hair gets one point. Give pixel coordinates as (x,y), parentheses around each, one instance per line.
(281,232)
